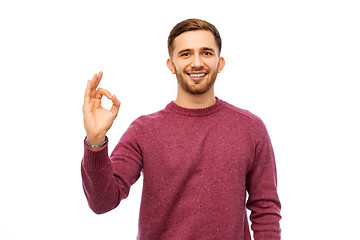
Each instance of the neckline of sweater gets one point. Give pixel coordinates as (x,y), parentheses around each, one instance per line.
(196,112)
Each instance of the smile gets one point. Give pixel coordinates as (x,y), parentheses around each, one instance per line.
(196,75)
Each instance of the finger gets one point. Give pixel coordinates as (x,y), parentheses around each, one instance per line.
(87,97)
(101,91)
(116,105)
(93,82)
(96,80)
(99,78)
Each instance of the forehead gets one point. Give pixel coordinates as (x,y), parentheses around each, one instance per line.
(195,40)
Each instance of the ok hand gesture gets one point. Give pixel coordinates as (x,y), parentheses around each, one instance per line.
(98,120)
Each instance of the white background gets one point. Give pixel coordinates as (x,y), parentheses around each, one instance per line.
(295,64)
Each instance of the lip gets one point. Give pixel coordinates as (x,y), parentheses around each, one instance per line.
(197,78)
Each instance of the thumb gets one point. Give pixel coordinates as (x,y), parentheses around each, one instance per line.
(115,106)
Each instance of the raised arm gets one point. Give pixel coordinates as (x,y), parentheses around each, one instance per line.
(100,187)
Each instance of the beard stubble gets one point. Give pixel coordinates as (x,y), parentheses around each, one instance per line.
(194,87)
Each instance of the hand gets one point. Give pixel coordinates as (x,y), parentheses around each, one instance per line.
(98,120)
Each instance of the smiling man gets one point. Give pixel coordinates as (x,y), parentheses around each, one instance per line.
(199,155)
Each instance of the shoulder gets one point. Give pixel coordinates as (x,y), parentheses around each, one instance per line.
(240,113)
(145,121)
(245,118)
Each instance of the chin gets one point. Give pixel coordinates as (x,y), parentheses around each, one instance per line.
(197,89)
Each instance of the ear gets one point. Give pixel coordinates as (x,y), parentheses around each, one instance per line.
(221,64)
(170,65)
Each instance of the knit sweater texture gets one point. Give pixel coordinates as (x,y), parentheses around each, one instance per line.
(197,166)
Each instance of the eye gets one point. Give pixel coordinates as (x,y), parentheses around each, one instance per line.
(207,53)
(185,54)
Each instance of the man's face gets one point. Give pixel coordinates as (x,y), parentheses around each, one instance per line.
(195,61)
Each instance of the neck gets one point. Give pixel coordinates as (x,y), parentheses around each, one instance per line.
(195,101)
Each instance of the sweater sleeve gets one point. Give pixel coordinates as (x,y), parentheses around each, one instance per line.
(107,180)
(263,201)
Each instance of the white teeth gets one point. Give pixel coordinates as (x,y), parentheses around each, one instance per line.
(197,75)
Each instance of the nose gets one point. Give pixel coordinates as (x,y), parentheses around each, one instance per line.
(197,61)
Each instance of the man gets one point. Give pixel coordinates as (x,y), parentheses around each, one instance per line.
(199,156)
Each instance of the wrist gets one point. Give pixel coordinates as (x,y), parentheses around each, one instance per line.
(96,143)
(95,139)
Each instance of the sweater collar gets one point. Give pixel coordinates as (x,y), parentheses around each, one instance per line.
(198,112)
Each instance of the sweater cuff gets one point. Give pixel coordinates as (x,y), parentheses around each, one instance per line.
(96,158)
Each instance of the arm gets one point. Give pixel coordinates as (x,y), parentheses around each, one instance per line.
(103,188)
(97,179)
(261,184)
(107,181)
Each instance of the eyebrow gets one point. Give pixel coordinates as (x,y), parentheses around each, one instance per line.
(190,49)
(183,51)
(207,49)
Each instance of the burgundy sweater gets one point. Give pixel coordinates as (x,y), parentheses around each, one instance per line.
(197,166)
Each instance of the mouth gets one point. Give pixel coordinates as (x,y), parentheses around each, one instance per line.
(197,76)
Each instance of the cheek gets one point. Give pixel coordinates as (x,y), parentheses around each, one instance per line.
(180,65)
(213,64)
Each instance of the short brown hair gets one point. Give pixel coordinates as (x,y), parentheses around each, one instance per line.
(192,24)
